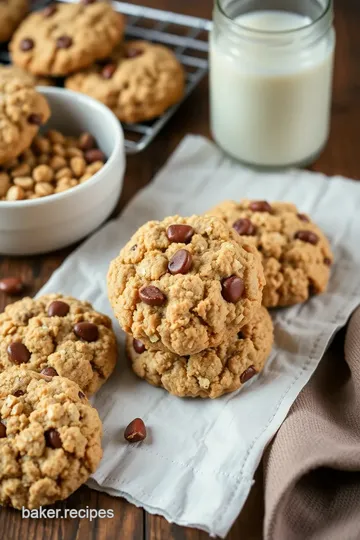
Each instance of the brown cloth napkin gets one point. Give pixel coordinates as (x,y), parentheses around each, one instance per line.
(312,468)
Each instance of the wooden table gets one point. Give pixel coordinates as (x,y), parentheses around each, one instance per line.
(340,157)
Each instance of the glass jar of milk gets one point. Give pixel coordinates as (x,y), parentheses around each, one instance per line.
(271,65)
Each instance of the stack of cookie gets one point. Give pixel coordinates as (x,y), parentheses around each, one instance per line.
(83,43)
(188,292)
(54,351)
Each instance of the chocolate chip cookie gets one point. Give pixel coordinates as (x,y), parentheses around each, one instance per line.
(12,13)
(63,38)
(50,438)
(58,335)
(139,82)
(210,373)
(296,255)
(9,72)
(22,111)
(185,284)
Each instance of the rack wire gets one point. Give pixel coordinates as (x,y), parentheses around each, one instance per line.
(187,36)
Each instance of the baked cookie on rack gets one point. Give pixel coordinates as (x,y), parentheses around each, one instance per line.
(50,438)
(139,81)
(295,253)
(185,284)
(12,13)
(58,336)
(23,110)
(212,372)
(63,38)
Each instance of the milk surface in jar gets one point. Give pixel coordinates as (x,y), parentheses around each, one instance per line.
(271,79)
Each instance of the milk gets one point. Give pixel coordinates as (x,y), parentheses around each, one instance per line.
(269,104)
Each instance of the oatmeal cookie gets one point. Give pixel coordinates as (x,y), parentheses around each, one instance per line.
(9,72)
(63,38)
(139,82)
(22,111)
(210,373)
(295,253)
(11,14)
(50,438)
(58,335)
(185,284)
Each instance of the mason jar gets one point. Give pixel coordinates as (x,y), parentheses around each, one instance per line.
(271,64)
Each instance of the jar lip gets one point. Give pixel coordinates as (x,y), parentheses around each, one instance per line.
(269,33)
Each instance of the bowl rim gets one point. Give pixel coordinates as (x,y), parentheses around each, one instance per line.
(118,146)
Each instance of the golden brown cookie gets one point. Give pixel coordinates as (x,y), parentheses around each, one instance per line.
(12,13)
(58,335)
(10,72)
(63,38)
(22,111)
(139,82)
(295,253)
(185,284)
(210,373)
(50,438)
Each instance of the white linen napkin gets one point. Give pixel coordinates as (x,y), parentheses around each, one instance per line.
(197,464)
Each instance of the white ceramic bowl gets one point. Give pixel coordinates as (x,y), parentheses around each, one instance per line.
(53,222)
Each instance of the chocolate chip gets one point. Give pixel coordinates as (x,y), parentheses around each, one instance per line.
(18,353)
(135,431)
(18,393)
(11,285)
(49,372)
(240,335)
(303,217)
(181,262)
(138,345)
(152,296)
(52,438)
(108,71)
(27,44)
(35,119)
(94,155)
(232,289)
(248,374)
(81,395)
(307,236)
(181,234)
(260,206)
(132,52)
(2,430)
(64,42)
(49,10)
(58,309)
(87,141)
(327,261)
(87,331)
(244,227)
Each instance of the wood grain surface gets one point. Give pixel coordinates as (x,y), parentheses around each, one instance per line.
(341,156)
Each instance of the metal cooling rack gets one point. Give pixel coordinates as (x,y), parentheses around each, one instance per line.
(186,36)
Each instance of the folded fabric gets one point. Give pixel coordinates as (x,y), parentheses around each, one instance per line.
(197,465)
(312,469)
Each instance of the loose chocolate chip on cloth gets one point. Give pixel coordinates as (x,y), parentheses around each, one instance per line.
(50,438)
(295,253)
(66,38)
(188,284)
(58,335)
(210,373)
